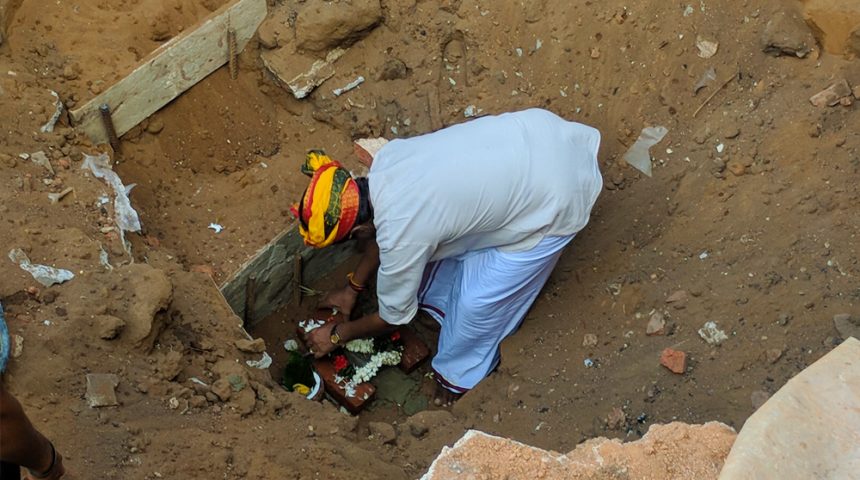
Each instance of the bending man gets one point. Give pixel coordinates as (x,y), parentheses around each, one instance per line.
(466,225)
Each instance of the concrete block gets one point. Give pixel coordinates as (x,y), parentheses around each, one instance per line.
(810,428)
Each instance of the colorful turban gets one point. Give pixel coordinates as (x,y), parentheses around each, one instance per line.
(329,207)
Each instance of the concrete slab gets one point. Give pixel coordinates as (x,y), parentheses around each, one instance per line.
(669,452)
(810,428)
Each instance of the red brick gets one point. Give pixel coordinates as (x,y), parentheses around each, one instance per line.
(363,392)
(415,352)
(674,360)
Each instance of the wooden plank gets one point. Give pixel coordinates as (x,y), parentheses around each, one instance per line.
(171,69)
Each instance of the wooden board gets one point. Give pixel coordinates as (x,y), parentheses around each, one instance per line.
(171,69)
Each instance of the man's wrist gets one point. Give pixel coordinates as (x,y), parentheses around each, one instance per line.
(48,463)
(343,331)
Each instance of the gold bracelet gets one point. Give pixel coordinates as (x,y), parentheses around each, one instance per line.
(353,284)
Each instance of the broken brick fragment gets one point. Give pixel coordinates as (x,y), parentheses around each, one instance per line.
(674,360)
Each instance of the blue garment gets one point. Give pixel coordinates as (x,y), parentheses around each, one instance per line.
(479,298)
(4,341)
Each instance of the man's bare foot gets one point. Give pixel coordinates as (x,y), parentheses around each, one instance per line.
(444,397)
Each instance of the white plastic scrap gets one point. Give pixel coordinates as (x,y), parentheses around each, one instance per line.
(216,227)
(638,155)
(471,111)
(58,105)
(104,259)
(263,363)
(349,86)
(126,217)
(43,274)
(712,335)
(709,76)
(291,345)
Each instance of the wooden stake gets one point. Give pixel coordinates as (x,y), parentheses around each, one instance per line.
(233,52)
(297,278)
(250,300)
(171,69)
(110,131)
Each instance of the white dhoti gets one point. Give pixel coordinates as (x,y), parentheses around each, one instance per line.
(479,298)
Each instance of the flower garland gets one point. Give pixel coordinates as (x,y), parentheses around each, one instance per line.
(360,345)
(349,377)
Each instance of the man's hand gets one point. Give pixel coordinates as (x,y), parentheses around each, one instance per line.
(319,340)
(343,299)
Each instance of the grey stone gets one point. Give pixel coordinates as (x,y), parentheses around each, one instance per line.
(383,432)
(847,325)
(257,345)
(222,389)
(394,386)
(101,389)
(656,324)
(422,422)
(109,327)
(393,69)
(321,24)
(786,33)
(244,401)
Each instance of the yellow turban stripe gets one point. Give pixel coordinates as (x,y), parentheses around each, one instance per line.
(329,206)
(315,160)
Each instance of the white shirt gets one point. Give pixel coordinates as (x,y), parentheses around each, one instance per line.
(500,181)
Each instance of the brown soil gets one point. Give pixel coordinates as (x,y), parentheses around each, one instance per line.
(774,212)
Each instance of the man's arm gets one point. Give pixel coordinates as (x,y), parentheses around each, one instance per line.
(344,298)
(21,444)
